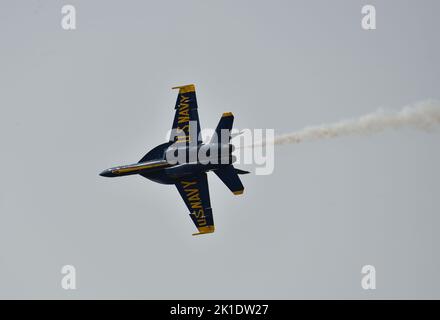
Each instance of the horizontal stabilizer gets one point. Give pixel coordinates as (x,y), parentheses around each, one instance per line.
(238,171)
(229,176)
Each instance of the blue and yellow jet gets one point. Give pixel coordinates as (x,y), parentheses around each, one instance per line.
(189,174)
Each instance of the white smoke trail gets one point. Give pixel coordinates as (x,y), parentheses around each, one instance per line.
(423,115)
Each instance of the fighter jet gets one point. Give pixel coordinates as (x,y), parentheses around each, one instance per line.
(182,160)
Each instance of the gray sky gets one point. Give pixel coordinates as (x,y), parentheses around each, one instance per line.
(76,102)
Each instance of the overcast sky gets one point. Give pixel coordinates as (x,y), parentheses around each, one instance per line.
(76,102)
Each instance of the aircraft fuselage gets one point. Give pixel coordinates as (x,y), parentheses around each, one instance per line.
(162,171)
(136,168)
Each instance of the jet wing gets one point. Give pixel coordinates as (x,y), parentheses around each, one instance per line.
(186,125)
(195,193)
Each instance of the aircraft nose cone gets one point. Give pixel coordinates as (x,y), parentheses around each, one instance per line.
(106,173)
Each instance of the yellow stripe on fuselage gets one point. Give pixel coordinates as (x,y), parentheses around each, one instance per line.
(143,167)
